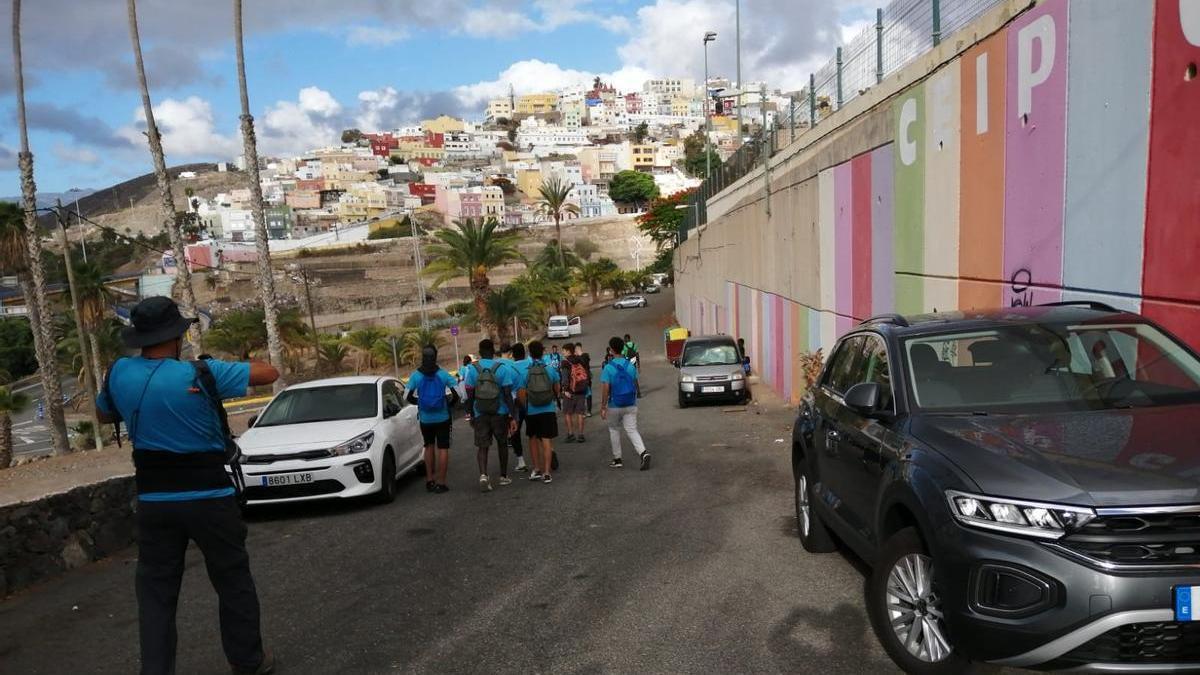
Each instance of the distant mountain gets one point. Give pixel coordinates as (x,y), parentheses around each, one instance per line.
(47,199)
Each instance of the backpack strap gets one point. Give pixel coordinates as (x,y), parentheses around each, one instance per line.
(233,454)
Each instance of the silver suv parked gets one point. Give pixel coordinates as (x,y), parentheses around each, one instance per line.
(710,368)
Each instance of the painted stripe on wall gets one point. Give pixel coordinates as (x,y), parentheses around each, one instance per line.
(1035,151)
(981,208)
(782,353)
(843,196)
(942,152)
(883,293)
(826,239)
(909,217)
(1108,130)
(860,212)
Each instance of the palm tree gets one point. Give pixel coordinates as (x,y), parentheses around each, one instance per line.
(415,339)
(554,192)
(94,300)
(363,341)
(238,333)
(592,275)
(553,255)
(506,304)
(105,341)
(10,402)
(183,278)
(29,268)
(471,251)
(266,280)
(333,352)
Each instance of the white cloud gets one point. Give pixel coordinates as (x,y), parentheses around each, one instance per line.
(75,154)
(495,22)
(375,36)
(291,127)
(550,15)
(534,75)
(374,105)
(187,128)
(319,102)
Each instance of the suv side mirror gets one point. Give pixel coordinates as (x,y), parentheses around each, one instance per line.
(253,419)
(390,410)
(675,362)
(863,398)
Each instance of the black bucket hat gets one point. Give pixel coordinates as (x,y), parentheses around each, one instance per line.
(155,321)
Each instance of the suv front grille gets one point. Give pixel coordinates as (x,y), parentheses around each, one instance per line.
(267,459)
(712,378)
(1149,643)
(1142,539)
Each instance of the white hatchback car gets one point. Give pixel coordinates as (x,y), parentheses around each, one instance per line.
(335,438)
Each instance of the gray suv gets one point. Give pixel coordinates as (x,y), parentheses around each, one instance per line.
(710,369)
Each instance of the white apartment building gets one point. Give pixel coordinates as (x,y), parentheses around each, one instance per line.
(670,86)
(535,133)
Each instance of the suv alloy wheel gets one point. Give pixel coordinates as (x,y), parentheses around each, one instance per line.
(813,534)
(905,611)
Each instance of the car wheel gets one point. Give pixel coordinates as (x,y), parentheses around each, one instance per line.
(906,611)
(682,401)
(814,535)
(387,477)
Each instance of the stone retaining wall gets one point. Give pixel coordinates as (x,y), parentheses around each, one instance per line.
(44,538)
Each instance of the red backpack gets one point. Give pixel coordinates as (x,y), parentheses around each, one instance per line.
(579,376)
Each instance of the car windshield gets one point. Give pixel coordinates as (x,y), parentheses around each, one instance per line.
(558,322)
(321,404)
(710,354)
(1051,366)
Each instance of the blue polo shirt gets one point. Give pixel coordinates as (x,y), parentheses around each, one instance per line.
(163,408)
(506,377)
(414,385)
(555,378)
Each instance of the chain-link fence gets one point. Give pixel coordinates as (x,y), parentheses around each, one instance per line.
(903,30)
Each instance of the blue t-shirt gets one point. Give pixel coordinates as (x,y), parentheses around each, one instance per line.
(506,377)
(610,372)
(414,387)
(173,414)
(554,379)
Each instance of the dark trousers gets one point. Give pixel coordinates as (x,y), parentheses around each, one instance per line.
(164,529)
(514,441)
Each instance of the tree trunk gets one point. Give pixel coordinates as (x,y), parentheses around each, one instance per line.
(98,369)
(266,281)
(34,287)
(558,235)
(479,288)
(183,276)
(6,448)
(84,337)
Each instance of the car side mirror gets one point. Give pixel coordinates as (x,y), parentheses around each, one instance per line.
(390,410)
(675,362)
(863,398)
(253,419)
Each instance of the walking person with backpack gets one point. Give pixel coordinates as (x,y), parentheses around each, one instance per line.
(575,375)
(587,364)
(490,386)
(181,447)
(427,388)
(629,350)
(618,405)
(520,363)
(538,390)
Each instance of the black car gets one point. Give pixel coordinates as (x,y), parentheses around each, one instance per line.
(1024,483)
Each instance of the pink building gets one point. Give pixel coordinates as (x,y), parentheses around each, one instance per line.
(633,103)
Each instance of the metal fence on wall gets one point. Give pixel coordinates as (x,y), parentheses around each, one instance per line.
(903,31)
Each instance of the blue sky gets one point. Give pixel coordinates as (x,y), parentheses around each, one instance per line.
(317,67)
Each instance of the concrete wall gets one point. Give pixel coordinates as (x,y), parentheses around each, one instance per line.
(1049,151)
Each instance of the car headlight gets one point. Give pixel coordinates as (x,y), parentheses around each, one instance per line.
(1034,519)
(354,445)
(687,378)
(737,376)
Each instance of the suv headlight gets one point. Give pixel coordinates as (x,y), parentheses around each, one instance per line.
(738,376)
(687,378)
(1014,516)
(354,445)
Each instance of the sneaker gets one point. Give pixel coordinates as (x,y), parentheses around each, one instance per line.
(616,464)
(429,485)
(536,475)
(441,489)
(580,439)
(645,461)
(547,479)
(485,485)
(521,466)
(504,480)
(570,438)
(265,667)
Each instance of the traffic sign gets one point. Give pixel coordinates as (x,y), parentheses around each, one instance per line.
(454,330)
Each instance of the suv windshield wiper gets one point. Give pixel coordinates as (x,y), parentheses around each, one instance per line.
(958,413)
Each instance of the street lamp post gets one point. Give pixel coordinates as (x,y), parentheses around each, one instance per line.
(738,39)
(708,37)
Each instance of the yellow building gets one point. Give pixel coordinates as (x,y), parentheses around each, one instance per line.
(725,123)
(532,104)
(643,157)
(499,107)
(443,124)
(681,107)
(342,177)
(528,182)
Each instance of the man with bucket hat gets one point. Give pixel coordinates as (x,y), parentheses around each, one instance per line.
(179,438)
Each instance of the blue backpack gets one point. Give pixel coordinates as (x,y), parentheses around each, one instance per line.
(431,394)
(622,389)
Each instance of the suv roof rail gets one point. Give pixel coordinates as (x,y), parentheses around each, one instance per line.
(1090,304)
(895,319)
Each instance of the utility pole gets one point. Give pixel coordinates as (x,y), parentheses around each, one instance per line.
(89,382)
(312,321)
(738,40)
(395,360)
(82,230)
(708,37)
(766,150)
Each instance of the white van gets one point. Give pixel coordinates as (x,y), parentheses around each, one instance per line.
(562,326)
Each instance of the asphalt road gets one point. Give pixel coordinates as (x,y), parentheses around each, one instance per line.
(691,567)
(31,436)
